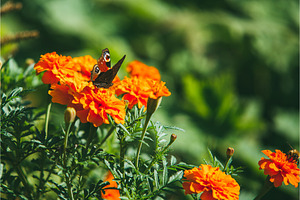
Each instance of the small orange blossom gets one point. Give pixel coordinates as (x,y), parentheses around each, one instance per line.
(111,194)
(214,183)
(280,168)
(141,70)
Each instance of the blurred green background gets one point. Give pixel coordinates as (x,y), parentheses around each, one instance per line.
(232,67)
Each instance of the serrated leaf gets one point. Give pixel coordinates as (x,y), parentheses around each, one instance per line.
(28,70)
(1,170)
(15,92)
(174,128)
(165,172)
(175,177)
(123,128)
(210,155)
(14,69)
(173,160)
(156,179)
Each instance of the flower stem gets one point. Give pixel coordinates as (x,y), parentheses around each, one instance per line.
(110,131)
(24,181)
(266,188)
(47,119)
(91,135)
(157,156)
(227,164)
(148,116)
(65,162)
(155,159)
(122,155)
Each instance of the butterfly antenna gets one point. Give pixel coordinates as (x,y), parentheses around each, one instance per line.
(290,145)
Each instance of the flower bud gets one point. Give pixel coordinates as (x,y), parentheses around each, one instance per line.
(29,61)
(152,105)
(229,152)
(70,115)
(172,139)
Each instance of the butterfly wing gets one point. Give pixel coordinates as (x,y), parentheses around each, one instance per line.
(103,64)
(105,79)
(104,60)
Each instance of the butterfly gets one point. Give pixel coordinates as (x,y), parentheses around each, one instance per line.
(293,155)
(102,78)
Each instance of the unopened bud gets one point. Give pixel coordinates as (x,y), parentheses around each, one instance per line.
(29,61)
(152,105)
(70,115)
(172,138)
(230,152)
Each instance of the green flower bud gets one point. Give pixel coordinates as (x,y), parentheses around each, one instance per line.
(70,115)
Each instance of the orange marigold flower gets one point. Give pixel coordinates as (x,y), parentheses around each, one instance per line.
(138,90)
(141,70)
(56,66)
(70,85)
(84,64)
(214,183)
(135,90)
(280,168)
(97,104)
(158,89)
(111,194)
(144,83)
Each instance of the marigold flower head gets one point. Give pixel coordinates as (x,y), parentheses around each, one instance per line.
(70,85)
(214,183)
(97,104)
(280,168)
(158,89)
(138,90)
(135,90)
(141,70)
(111,194)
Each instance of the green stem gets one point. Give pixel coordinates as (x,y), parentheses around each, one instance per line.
(24,181)
(50,172)
(65,162)
(156,157)
(148,116)
(122,155)
(18,168)
(110,131)
(81,182)
(227,164)
(66,144)
(41,182)
(91,135)
(47,119)
(266,188)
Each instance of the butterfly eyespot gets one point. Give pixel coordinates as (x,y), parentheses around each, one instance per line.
(97,70)
(104,79)
(107,57)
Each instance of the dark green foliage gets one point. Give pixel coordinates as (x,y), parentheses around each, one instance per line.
(37,164)
(232,68)
(153,178)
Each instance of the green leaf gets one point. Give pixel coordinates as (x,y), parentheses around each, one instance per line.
(156,178)
(173,160)
(1,170)
(165,172)
(15,92)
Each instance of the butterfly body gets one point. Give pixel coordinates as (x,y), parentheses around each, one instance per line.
(100,76)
